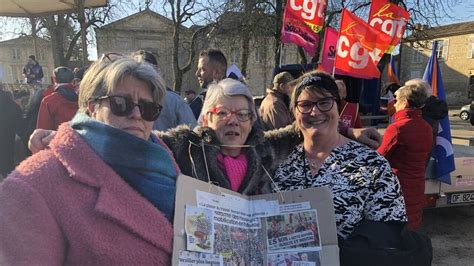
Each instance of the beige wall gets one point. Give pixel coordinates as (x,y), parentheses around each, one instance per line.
(149,33)
(456,68)
(12,66)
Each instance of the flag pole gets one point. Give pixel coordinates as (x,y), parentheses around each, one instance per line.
(337,47)
(281,54)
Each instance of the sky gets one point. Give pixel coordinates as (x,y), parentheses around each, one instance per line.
(9,28)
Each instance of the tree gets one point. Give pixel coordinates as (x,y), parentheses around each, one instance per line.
(182,12)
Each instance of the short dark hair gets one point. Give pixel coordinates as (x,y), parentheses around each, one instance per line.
(189,92)
(216,56)
(63,75)
(32,57)
(147,56)
(316,81)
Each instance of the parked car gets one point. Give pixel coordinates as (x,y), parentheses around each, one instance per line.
(465,113)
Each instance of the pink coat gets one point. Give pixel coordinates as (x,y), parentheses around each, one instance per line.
(66,206)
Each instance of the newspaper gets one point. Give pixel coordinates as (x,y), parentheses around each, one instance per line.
(222,228)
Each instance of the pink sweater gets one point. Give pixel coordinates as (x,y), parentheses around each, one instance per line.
(66,206)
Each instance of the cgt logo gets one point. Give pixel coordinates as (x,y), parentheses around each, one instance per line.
(356,48)
(386,20)
(308,9)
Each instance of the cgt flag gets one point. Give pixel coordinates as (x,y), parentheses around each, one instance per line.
(390,19)
(443,152)
(302,20)
(360,47)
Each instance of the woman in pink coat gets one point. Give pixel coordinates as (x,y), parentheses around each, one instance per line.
(103,194)
(407,144)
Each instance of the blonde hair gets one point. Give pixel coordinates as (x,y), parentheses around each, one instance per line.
(105,74)
(420,83)
(415,95)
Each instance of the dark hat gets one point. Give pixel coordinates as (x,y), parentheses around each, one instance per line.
(282,78)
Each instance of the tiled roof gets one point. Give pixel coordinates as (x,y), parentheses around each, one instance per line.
(443,31)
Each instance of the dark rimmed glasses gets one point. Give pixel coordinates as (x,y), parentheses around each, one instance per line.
(323,105)
(123,106)
(222,113)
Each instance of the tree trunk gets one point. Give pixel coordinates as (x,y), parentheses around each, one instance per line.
(278,25)
(177,72)
(245,52)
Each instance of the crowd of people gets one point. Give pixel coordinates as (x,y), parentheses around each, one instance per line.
(100,188)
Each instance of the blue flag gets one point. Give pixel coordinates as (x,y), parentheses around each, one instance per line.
(443,152)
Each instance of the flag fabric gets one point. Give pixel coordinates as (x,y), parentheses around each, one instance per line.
(301,23)
(328,53)
(389,18)
(442,154)
(392,71)
(360,47)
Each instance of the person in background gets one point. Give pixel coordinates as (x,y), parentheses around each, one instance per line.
(407,144)
(348,112)
(10,121)
(32,71)
(212,67)
(175,111)
(274,109)
(390,90)
(361,180)
(189,96)
(61,105)
(103,194)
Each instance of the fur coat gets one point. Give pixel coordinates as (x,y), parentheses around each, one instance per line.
(192,149)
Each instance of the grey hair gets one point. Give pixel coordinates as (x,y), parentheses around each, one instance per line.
(227,87)
(420,83)
(415,95)
(104,75)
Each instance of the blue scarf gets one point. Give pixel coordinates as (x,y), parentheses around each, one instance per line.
(144,165)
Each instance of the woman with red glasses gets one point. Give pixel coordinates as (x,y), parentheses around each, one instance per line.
(103,194)
(227,149)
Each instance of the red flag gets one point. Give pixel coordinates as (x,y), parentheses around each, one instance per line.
(360,47)
(389,18)
(328,54)
(302,20)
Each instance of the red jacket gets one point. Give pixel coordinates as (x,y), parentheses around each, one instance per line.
(58,107)
(406,144)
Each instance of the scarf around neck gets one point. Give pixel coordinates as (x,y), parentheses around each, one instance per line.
(147,166)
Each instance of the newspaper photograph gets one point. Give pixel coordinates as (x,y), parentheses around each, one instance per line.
(199,229)
(290,231)
(310,258)
(189,258)
(239,246)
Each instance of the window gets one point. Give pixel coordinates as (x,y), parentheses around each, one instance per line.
(470,47)
(260,55)
(442,50)
(417,56)
(235,55)
(16,54)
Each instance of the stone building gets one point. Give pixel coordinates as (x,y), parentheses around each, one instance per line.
(149,31)
(455,54)
(152,32)
(14,55)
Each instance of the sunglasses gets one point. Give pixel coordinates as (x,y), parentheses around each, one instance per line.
(123,106)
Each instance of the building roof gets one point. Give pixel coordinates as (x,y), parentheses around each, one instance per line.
(443,31)
(24,39)
(120,22)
